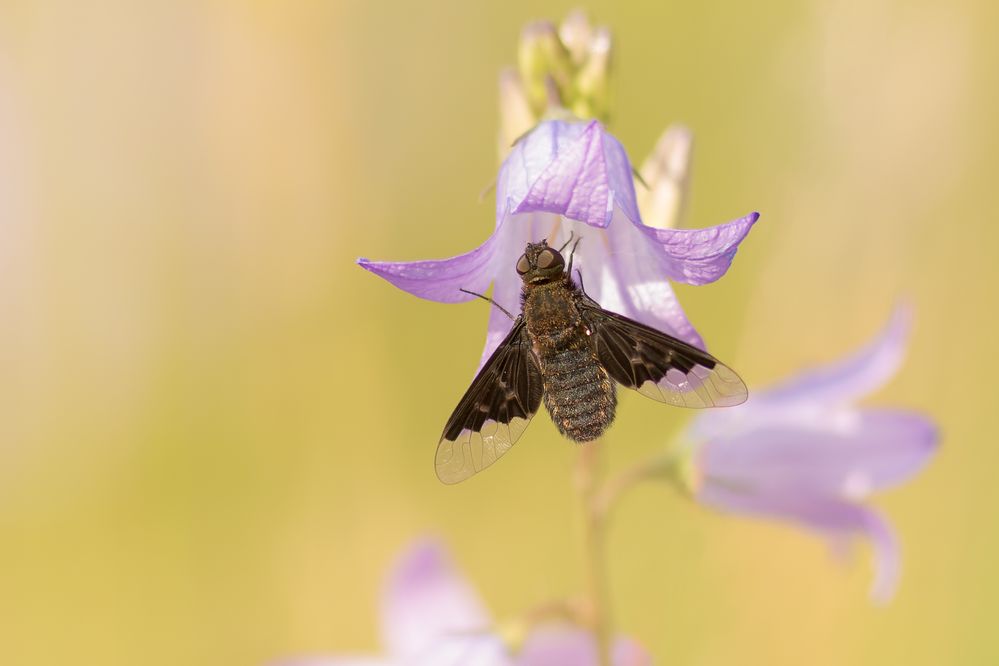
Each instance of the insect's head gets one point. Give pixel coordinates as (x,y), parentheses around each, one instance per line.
(540,263)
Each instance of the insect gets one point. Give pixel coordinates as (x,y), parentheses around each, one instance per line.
(568,351)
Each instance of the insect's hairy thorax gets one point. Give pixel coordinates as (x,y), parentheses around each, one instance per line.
(578,392)
(553,322)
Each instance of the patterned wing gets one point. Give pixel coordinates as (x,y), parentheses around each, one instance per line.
(494,412)
(658,365)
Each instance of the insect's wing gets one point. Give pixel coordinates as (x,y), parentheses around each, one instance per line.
(494,412)
(658,365)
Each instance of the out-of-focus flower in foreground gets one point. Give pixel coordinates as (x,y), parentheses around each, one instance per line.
(805,453)
(575,177)
(431,616)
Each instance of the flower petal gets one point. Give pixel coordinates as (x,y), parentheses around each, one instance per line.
(516,232)
(630,280)
(848,454)
(833,518)
(573,646)
(475,649)
(335,661)
(627,652)
(809,398)
(558,645)
(698,256)
(853,377)
(440,279)
(427,601)
(577,170)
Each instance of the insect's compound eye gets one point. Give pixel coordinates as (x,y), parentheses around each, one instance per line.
(548,258)
(523,265)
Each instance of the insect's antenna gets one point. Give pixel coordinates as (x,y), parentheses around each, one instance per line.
(486,298)
(571,233)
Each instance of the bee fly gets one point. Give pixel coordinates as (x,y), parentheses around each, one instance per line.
(569,351)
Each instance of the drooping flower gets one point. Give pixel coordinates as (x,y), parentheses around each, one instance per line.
(575,178)
(804,452)
(431,616)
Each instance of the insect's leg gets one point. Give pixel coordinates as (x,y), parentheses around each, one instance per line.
(571,234)
(486,298)
(579,274)
(572,252)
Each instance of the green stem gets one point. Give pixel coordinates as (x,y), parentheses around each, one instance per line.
(657,467)
(594,553)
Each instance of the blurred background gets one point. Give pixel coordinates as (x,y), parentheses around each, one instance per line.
(216,432)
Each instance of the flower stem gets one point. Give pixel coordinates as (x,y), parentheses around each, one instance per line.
(662,465)
(587,476)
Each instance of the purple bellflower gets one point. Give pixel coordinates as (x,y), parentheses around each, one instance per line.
(803,452)
(574,177)
(431,616)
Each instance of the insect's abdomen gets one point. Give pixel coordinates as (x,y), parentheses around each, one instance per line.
(578,393)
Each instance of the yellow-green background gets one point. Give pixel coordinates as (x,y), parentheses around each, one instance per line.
(216,432)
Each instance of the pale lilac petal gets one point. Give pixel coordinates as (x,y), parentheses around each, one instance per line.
(346,660)
(851,378)
(517,231)
(440,279)
(561,645)
(698,256)
(834,518)
(627,652)
(576,170)
(475,649)
(630,280)
(426,600)
(810,397)
(847,454)
(572,646)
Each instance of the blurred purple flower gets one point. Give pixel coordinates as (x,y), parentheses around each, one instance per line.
(432,616)
(803,452)
(567,177)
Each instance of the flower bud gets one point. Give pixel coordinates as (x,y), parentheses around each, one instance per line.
(545,66)
(516,116)
(666,173)
(576,33)
(591,90)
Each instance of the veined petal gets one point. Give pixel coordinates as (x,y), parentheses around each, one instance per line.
(699,256)
(834,518)
(573,169)
(517,231)
(849,454)
(426,601)
(631,280)
(440,279)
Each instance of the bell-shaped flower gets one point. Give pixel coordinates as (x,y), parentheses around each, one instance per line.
(575,178)
(804,452)
(432,616)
